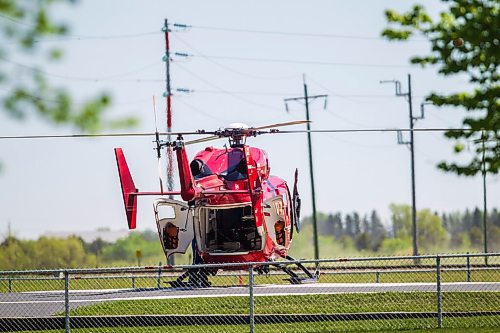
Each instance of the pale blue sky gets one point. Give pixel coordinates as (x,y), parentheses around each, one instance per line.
(72,184)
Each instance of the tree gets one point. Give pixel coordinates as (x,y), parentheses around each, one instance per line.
(338,230)
(363,241)
(377,231)
(401,220)
(349,226)
(328,227)
(431,234)
(96,247)
(464,40)
(25,89)
(356,220)
(124,249)
(477,218)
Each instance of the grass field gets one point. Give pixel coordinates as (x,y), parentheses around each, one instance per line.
(334,303)
(470,325)
(311,304)
(318,304)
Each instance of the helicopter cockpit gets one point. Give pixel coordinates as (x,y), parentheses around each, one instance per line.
(232,173)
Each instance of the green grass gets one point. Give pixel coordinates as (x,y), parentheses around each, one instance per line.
(334,303)
(463,325)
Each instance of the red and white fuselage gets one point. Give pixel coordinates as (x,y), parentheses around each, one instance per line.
(232,208)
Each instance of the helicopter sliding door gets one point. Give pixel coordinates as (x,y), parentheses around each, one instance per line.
(175,226)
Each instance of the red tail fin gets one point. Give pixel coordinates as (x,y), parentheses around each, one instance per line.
(188,191)
(128,188)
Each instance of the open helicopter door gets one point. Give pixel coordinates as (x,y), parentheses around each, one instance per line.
(296,203)
(175,226)
(274,216)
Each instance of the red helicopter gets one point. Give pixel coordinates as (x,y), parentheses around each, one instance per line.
(233,210)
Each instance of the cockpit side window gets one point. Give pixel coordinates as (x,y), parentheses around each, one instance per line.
(199,169)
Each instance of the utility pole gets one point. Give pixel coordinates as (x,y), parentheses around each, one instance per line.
(485,213)
(411,144)
(168,95)
(306,99)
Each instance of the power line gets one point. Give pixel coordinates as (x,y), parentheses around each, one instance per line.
(209,115)
(352,143)
(12,19)
(98,37)
(79,103)
(227,68)
(235,92)
(227,92)
(277,93)
(211,57)
(307,62)
(348,130)
(110,77)
(69,37)
(294,34)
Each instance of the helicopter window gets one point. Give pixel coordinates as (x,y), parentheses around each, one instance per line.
(166,212)
(236,172)
(199,169)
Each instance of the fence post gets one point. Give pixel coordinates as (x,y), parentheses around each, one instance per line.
(251,312)
(439,293)
(158,280)
(378,277)
(468,267)
(66,301)
(133,281)
(10,283)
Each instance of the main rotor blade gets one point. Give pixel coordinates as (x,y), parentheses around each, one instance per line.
(208,138)
(367,130)
(289,123)
(103,135)
(348,130)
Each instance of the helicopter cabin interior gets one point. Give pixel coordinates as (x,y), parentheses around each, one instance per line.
(220,229)
(229,229)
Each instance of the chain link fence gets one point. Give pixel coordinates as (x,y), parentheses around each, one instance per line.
(389,293)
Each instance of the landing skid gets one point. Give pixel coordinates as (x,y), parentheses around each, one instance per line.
(294,277)
(196,278)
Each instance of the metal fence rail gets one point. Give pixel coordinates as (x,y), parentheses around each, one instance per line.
(378,293)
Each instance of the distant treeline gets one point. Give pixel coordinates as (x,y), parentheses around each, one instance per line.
(340,235)
(461,231)
(73,252)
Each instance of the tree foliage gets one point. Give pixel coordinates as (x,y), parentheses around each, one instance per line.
(44,253)
(24,88)
(463,40)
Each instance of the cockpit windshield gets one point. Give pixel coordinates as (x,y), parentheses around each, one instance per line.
(229,165)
